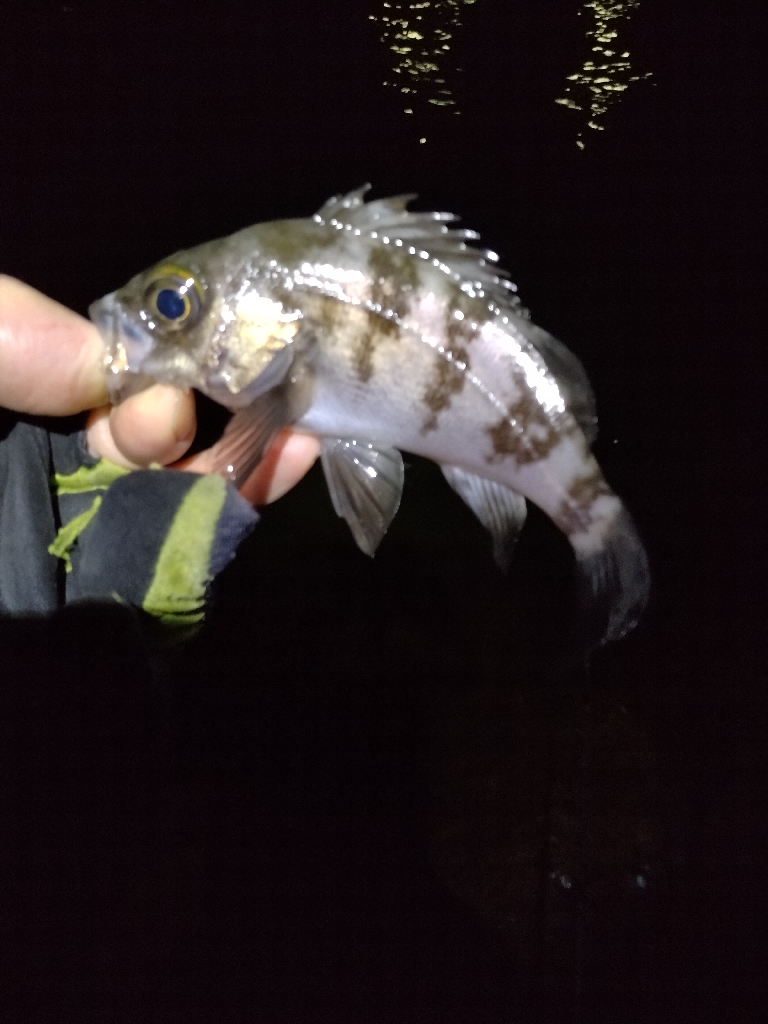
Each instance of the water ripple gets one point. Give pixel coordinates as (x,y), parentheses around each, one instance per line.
(420,37)
(605,75)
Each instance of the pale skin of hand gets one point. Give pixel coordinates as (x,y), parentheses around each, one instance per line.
(51,364)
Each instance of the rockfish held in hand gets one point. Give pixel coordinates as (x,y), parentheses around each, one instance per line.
(380,329)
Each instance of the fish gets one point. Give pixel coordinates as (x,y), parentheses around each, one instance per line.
(381,330)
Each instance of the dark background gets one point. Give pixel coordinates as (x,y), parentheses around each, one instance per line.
(379,791)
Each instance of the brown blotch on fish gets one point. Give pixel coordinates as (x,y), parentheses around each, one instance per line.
(472,310)
(513,435)
(328,314)
(450,370)
(361,329)
(378,330)
(586,489)
(394,278)
(573,518)
(447,381)
(459,331)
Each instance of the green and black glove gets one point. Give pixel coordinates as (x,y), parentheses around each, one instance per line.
(153,539)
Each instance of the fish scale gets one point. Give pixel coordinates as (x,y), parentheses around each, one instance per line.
(381,330)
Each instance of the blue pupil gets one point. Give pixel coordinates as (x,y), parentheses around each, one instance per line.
(170,304)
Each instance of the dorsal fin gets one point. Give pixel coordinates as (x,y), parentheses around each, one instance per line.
(428,235)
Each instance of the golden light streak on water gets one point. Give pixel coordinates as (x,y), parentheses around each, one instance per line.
(605,75)
(419,35)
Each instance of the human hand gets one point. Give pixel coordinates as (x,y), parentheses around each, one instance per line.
(51,364)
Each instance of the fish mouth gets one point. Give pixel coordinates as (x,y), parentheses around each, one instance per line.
(127,347)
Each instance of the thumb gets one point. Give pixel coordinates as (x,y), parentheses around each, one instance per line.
(51,359)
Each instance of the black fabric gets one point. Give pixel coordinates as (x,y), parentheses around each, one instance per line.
(236,521)
(69,453)
(118,550)
(29,575)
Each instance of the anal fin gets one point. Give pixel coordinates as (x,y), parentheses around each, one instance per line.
(365,484)
(501,510)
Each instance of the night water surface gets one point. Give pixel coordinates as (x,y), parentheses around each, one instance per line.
(387,791)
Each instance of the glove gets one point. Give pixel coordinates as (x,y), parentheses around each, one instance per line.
(154,539)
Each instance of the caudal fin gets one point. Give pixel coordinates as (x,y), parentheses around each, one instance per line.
(613,579)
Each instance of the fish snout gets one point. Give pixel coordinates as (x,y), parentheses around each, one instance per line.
(127,345)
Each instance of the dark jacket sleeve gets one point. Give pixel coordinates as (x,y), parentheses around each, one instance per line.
(29,575)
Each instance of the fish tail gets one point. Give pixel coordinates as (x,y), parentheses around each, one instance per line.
(613,578)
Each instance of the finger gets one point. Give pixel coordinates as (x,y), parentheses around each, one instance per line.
(156,425)
(288,459)
(290,456)
(51,359)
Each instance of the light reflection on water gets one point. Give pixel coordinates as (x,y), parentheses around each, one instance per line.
(420,34)
(605,75)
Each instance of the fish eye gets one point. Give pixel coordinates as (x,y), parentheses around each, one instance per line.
(173,298)
(172,304)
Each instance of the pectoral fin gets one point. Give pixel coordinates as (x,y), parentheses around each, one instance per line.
(500,510)
(248,435)
(365,484)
